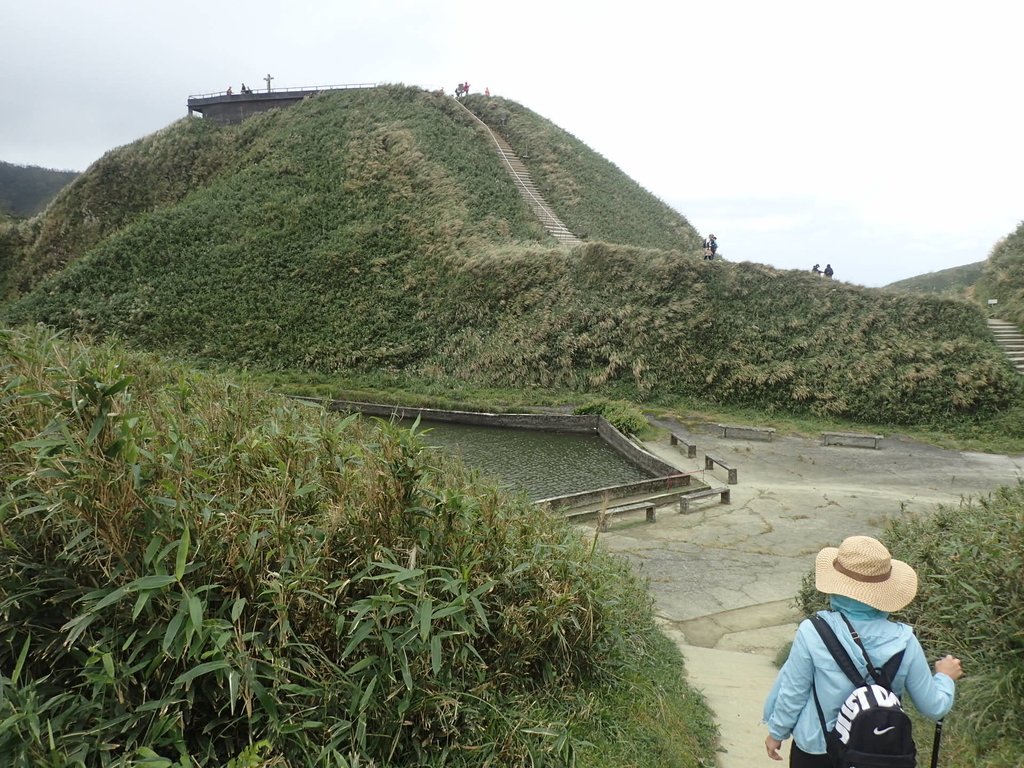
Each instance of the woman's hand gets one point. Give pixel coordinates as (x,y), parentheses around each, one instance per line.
(950,665)
(773,748)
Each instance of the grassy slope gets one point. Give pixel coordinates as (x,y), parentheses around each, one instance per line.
(1003,277)
(376,231)
(124,184)
(646,323)
(955,281)
(191,567)
(591,195)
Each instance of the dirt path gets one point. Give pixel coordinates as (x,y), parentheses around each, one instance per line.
(723,576)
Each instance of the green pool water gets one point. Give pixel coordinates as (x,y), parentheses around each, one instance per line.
(541,463)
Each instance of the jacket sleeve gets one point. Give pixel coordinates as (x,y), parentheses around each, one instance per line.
(932,694)
(792,688)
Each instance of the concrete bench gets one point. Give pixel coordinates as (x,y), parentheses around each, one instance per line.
(852,439)
(647,506)
(691,448)
(684,502)
(747,433)
(710,461)
(668,497)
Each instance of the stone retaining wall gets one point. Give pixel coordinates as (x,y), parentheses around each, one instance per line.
(560,422)
(646,461)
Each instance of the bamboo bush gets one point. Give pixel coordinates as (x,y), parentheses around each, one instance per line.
(195,574)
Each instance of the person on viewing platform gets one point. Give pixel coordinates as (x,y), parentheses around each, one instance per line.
(828,271)
(230,92)
(864,584)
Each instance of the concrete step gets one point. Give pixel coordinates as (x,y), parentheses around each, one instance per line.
(528,190)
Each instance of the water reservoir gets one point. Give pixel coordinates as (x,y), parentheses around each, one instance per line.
(542,463)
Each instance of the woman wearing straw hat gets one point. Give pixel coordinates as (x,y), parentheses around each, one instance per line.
(865,584)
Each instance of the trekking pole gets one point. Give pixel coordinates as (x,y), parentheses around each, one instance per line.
(935,744)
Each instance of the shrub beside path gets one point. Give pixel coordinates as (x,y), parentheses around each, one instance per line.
(724,576)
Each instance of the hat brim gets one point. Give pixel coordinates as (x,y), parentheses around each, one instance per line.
(890,595)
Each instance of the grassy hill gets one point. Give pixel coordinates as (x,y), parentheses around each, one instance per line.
(955,281)
(1003,277)
(376,232)
(26,189)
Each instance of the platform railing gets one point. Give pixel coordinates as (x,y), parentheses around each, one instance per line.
(264,91)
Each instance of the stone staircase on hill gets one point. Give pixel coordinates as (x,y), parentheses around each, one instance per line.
(1009,337)
(524,183)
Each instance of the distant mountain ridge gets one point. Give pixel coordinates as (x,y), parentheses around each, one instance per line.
(26,189)
(955,281)
(377,232)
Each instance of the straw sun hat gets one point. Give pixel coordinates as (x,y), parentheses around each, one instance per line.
(862,568)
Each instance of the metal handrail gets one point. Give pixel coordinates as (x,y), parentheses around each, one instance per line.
(537,202)
(285,90)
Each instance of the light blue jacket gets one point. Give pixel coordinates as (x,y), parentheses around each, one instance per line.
(789,709)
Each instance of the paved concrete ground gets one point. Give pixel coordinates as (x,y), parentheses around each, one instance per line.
(723,576)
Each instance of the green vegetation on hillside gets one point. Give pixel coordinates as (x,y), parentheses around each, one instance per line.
(955,281)
(591,196)
(1003,278)
(375,232)
(26,189)
(194,572)
(970,602)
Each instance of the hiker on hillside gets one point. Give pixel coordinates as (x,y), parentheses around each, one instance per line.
(710,248)
(828,271)
(816,269)
(864,584)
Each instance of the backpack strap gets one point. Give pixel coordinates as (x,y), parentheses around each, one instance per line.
(842,658)
(887,673)
(891,667)
(838,651)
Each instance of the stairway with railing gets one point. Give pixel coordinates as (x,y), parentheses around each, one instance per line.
(1009,337)
(524,183)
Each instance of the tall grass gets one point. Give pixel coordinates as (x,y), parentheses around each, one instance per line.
(591,195)
(1003,277)
(192,573)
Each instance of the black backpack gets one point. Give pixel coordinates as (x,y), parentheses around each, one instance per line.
(872,730)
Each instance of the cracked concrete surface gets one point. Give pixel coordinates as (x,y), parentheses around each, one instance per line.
(723,576)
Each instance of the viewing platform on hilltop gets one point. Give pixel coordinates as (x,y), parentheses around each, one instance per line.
(229,107)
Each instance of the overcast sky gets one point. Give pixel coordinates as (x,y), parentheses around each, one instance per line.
(883,137)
